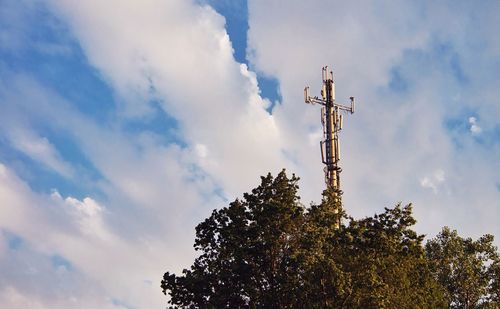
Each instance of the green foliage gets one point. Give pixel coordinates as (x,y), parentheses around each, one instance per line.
(268,251)
(376,262)
(248,252)
(467,269)
(387,262)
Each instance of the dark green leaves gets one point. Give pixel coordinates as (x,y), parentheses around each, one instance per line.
(267,251)
(248,252)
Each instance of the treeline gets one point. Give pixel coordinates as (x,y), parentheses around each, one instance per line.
(268,251)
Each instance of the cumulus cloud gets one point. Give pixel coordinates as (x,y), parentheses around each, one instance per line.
(87,214)
(181,53)
(80,233)
(475,129)
(154,192)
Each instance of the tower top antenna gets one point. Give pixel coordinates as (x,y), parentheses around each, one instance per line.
(331,119)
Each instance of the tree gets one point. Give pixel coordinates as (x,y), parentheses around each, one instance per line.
(267,251)
(248,252)
(376,262)
(469,270)
(386,262)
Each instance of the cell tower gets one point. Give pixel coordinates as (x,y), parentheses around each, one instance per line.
(331,119)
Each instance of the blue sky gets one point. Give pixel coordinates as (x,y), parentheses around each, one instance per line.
(124,123)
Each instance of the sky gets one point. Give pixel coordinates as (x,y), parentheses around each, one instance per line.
(123,124)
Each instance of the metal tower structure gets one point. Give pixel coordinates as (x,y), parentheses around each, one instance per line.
(331,119)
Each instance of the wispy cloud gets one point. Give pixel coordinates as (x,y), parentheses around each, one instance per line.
(40,149)
(432,182)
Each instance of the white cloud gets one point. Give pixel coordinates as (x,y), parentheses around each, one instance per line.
(181,53)
(434,181)
(155,194)
(439,175)
(12,298)
(87,215)
(40,149)
(201,150)
(154,199)
(475,129)
(78,230)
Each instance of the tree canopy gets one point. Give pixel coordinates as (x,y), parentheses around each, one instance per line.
(268,251)
(468,270)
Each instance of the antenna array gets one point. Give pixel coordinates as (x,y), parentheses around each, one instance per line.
(331,119)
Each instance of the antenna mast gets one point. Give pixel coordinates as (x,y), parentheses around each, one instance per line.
(331,119)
